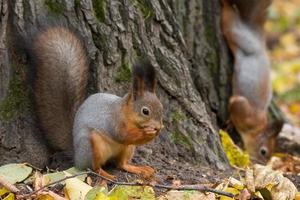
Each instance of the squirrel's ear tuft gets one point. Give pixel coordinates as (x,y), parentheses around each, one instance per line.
(143,75)
(275,128)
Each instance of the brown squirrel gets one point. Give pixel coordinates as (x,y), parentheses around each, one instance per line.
(105,127)
(242,25)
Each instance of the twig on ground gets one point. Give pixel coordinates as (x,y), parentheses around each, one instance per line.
(201,188)
(54,183)
(11,187)
(32,166)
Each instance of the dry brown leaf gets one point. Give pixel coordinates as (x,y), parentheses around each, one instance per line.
(38,180)
(285,163)
(279,186)
(89,180)
(250,180)
(297,197)
(244,195)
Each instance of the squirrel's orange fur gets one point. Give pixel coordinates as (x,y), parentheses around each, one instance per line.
(105,127)
(242,25)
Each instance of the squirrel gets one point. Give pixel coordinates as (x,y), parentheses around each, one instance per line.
(242,26)
(103,127)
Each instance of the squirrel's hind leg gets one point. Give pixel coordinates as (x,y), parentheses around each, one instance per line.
(97,145)
(123,163)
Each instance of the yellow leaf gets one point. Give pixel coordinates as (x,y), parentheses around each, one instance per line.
(234,154)
(236,183)
(76,189)
(294,108)
(11,196)
(3,191)
(230,190)
(45,197)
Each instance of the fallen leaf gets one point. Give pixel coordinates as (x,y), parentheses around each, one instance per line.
(52,177)
(234,154)
(3,191)
(14,173)
(297,197)
(244,195)
(11,196)
(285,163)
(97,193)
(279,186)
(76,189)
(230,190)
(186,195)
(236,183)
(122,192)
(250,180)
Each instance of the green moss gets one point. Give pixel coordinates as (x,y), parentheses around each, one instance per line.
(54,7)
(77,3)
(177,116)
(123,73)
(18,99)
(99,9)
(178,137)
(145,7)
(212,62)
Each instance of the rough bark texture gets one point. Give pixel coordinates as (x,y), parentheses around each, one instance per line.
(183,40)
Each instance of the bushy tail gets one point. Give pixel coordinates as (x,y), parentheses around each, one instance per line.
(60,85)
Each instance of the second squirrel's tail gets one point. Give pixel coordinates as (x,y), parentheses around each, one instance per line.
(60,85)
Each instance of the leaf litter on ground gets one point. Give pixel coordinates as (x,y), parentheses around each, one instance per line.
(260,182)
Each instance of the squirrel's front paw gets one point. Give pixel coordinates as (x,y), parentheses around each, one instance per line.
(144,171)
(101,172)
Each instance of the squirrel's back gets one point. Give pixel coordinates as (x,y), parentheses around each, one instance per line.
(60,84)
(242,24)
(99,112)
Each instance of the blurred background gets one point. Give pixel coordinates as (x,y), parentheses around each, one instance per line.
(283,40)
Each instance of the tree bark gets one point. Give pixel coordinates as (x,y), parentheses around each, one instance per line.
(183,40)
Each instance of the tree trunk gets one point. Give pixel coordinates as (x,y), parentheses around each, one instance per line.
(183,40)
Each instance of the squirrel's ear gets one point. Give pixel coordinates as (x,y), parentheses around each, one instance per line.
(275,128)
(143,75)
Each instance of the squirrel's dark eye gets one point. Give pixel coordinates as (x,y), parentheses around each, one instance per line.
(263,151)
(145,111)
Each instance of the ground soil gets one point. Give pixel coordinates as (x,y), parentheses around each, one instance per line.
(170,168)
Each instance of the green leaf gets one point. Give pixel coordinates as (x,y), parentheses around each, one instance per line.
(52,177)
(14,173)
(132,192)
(97,193)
